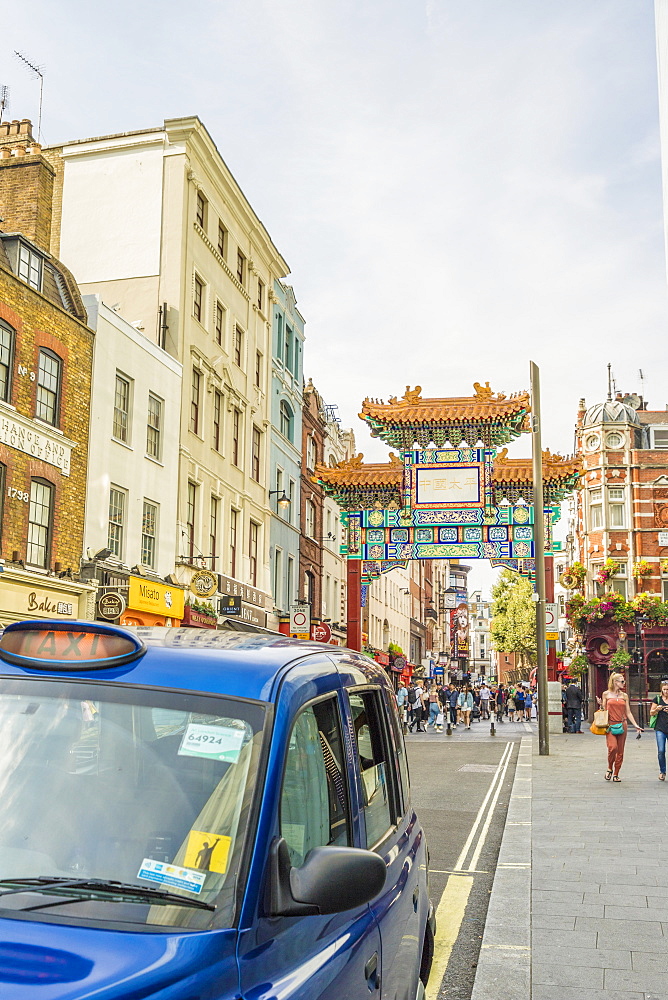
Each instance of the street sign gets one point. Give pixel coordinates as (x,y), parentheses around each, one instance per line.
(321,633)
(111,605)
(557,545)
(300,621)
(438,671)
(551,622)
(229,606)
(663,538)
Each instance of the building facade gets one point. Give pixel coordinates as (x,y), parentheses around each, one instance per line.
(285,446)
(314,427)
(46,354)
(339,446)
(157,225)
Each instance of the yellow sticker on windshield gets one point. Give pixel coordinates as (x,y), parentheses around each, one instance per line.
(207,852)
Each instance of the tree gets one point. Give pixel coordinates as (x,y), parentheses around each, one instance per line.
(513,624)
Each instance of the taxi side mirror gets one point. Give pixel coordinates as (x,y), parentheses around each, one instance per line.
(331,880)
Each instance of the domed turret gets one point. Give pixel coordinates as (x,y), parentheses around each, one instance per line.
(613,411)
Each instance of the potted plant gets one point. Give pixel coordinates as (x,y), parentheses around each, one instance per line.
(642,568)
(607,571)
(578,665)
(620,659)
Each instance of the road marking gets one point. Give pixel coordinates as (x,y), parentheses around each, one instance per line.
(490,812)
(508,947)
(462,871)
(469,840)
(449,916)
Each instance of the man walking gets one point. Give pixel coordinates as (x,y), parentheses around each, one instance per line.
(574,707)
(453,698)
(484,701)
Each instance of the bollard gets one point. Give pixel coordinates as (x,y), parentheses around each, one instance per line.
(448,731)
(492,730)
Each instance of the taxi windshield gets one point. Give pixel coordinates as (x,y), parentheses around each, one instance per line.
(122,802)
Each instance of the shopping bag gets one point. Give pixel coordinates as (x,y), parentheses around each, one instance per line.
(601,718)
(598,730)
(439,719)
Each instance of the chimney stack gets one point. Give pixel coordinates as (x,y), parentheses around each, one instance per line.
(26,183)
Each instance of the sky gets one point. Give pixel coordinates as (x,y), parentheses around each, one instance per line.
(459,186)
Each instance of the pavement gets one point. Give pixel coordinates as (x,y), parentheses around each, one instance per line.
(579,903)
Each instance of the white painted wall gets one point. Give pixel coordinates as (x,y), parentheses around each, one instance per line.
(119,347)
(388,602)
(112,207)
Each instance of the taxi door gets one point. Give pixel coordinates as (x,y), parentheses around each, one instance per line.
(309,802)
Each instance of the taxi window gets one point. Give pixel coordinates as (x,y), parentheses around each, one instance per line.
(314,796)
(375,764)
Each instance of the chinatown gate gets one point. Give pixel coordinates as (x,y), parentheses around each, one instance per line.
(447,492)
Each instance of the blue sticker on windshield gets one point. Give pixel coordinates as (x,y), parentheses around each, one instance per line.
(173,875)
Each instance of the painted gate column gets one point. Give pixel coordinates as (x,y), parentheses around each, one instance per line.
(549,597)
(354,633)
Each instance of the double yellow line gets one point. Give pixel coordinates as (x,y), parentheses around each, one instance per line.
(452,905)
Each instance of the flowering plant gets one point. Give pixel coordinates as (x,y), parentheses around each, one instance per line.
(607,571)
(642,568)
(580,612)
(578,665)
(652,607)
(620,659)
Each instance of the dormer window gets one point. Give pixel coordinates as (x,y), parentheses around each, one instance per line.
(30,267)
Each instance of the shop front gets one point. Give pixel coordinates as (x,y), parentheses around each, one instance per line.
(27,595)
(153,603)
(242,608)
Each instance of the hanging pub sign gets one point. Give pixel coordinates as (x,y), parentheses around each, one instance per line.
(204,583)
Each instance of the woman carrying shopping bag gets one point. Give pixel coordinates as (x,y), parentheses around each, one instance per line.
(466,706)
(659,712)
(616,702)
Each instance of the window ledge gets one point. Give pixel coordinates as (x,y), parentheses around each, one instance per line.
(123,444)
(156,461)
(52,427)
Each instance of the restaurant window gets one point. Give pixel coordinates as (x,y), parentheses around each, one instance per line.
(256,454)
(116,529)
(40,523)
(253,533)
(234,522)
(6,357)
(195,391)
(154,426)
(48,386)
(191,506)
(149,533)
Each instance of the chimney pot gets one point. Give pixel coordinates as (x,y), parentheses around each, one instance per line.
(5,154)
(19,151)
(35,149)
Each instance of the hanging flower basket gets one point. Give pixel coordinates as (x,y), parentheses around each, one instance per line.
(572,576)
(642,568)
(607,571)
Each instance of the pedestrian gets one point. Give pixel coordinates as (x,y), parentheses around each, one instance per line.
(574,699)
(434,706)
(484,701)
(616,701)
(465,704)
(519,704)
(418,710)
(501,698)
(510,705)
(659,710)
(402,703)
(412,702)
(453,698)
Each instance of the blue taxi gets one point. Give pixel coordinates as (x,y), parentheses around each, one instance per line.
(199,815)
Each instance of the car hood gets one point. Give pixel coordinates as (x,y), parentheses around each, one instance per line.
(47,961)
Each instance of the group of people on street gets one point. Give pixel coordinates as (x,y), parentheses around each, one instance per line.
(429,705)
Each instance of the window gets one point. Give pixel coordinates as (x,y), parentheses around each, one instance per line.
(6,351)
(619,580)
(279,483)
(197,299)
(40,518)
(279,334)
(201,210)
(154,426)
(195,401)
(616,506)
(213,531)
(314,806)
(191,506)
(596,508)
(291,496)
(278,578)
(48,387)
(116,521)
(3,483)
(260,295)
(309,519)
(30,267)
(238,345)
(234,516)
(241,267)
(121,408)
(255,457)
(286,347)
(289,582)
(149,531)
(311,453)
(222,239)
(660,437)
(285,420)
(309,588)
(236,433)
(220,323)
(217,407)
(253,533)
(375,765)
(258,369)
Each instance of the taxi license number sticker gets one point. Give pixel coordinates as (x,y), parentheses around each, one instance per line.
(174,875)
(216,742)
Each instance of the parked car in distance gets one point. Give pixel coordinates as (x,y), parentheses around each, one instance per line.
(191,813)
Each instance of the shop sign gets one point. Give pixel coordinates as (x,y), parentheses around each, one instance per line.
(204,583)
(25,600)
(229,606)
(663,538)
(321,632)
(160,599)
(111,605)
(35,439)
(234,588)
(253,615)
(399,663)
(382,658)
(198,619)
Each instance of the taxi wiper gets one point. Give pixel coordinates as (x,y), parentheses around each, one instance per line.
(88,888)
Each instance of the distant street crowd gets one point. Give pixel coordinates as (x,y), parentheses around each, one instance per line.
(427,705)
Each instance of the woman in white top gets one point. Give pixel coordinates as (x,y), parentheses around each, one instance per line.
(465,705)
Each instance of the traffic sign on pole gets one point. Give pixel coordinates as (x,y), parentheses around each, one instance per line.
(300,621)
(552,622)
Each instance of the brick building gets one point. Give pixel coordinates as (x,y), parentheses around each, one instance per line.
(46,351)
(312,501)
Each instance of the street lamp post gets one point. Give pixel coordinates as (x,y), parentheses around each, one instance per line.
(539,554)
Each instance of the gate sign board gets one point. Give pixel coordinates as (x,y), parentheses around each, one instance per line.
(300,621)
(552,622)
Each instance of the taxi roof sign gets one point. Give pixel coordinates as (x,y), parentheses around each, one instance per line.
(67,645)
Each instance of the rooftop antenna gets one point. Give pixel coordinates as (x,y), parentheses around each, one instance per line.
(37,70)
(609,381)
(642,384)
(4,100)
